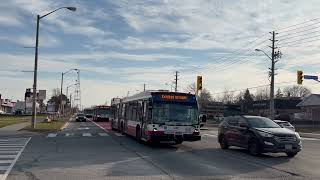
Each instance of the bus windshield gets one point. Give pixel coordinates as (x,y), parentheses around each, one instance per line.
(169,112)
(103,111)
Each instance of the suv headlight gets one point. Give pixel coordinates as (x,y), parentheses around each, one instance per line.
(298,135)
(263,134)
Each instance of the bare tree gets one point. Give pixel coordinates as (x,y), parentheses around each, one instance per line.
(279,93)
(191,88)
(228,97)
(296,91)
(204,98)
(262,94)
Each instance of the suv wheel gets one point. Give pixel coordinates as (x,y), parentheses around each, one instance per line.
(291,154)
(254,148)
(223,143)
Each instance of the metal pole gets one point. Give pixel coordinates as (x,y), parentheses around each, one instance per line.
(272,78)
(34,108)
(176,82)
(61,106)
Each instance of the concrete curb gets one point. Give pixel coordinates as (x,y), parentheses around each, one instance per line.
(65,125)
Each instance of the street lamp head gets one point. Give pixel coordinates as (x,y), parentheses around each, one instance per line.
(72,8)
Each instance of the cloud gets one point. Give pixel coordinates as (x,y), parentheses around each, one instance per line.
(29,41)
(10,21)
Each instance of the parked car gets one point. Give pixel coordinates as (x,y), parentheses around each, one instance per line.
(81,118)
(283,117)
(258,135)
(285,124)
(1,112)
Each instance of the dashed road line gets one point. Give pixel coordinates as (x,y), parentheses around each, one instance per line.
(52,135)
(118,134)
(86,134)
(103,134)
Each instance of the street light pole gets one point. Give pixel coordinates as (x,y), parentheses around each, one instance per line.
(61,106)
(34,107)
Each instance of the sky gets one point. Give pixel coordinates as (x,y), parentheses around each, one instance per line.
(120,45)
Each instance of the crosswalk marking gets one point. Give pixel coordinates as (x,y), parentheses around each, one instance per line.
(52,135)
(10,150)
(5,161)
(103,134)
(69,134)
(3,168)
(86,134)
(118,134)
(6,152)
(7,156)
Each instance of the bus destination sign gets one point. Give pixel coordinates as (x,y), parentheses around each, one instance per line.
(174,97)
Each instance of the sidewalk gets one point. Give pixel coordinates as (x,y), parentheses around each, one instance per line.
(14,127)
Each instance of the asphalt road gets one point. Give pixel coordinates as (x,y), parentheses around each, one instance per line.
(85,151)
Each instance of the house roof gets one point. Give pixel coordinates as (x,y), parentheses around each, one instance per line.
(311,100)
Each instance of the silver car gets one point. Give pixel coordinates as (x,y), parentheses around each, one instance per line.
(285,124)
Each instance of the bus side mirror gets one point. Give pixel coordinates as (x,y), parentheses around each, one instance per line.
(203,119)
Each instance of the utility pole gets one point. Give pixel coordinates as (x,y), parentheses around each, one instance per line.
(176,81)
(144,87)
(274,56)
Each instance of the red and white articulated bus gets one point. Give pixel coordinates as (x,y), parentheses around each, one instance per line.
(101,113)
(157,116)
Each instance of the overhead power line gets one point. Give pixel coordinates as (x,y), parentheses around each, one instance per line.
(298,32)
(253,87)
(288,27)
(299,35)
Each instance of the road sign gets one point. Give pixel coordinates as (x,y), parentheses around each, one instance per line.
(310,77)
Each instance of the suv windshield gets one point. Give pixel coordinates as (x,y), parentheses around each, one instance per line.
(262,122)
(175,113)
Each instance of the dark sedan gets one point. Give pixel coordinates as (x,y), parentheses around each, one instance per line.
(81,118)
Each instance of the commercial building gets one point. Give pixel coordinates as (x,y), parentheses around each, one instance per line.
(283,106)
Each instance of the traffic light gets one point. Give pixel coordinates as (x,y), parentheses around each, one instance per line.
(299,77)
(199,83)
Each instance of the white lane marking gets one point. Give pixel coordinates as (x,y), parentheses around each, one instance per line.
(14,161)
(86,134)
(310,139)
(12,144)
(6,161)
(83,128)
(52,135)
(211,135)
(118,134)
(103,134)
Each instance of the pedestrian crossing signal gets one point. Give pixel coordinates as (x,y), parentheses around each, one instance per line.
(199,83)
(299,77)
